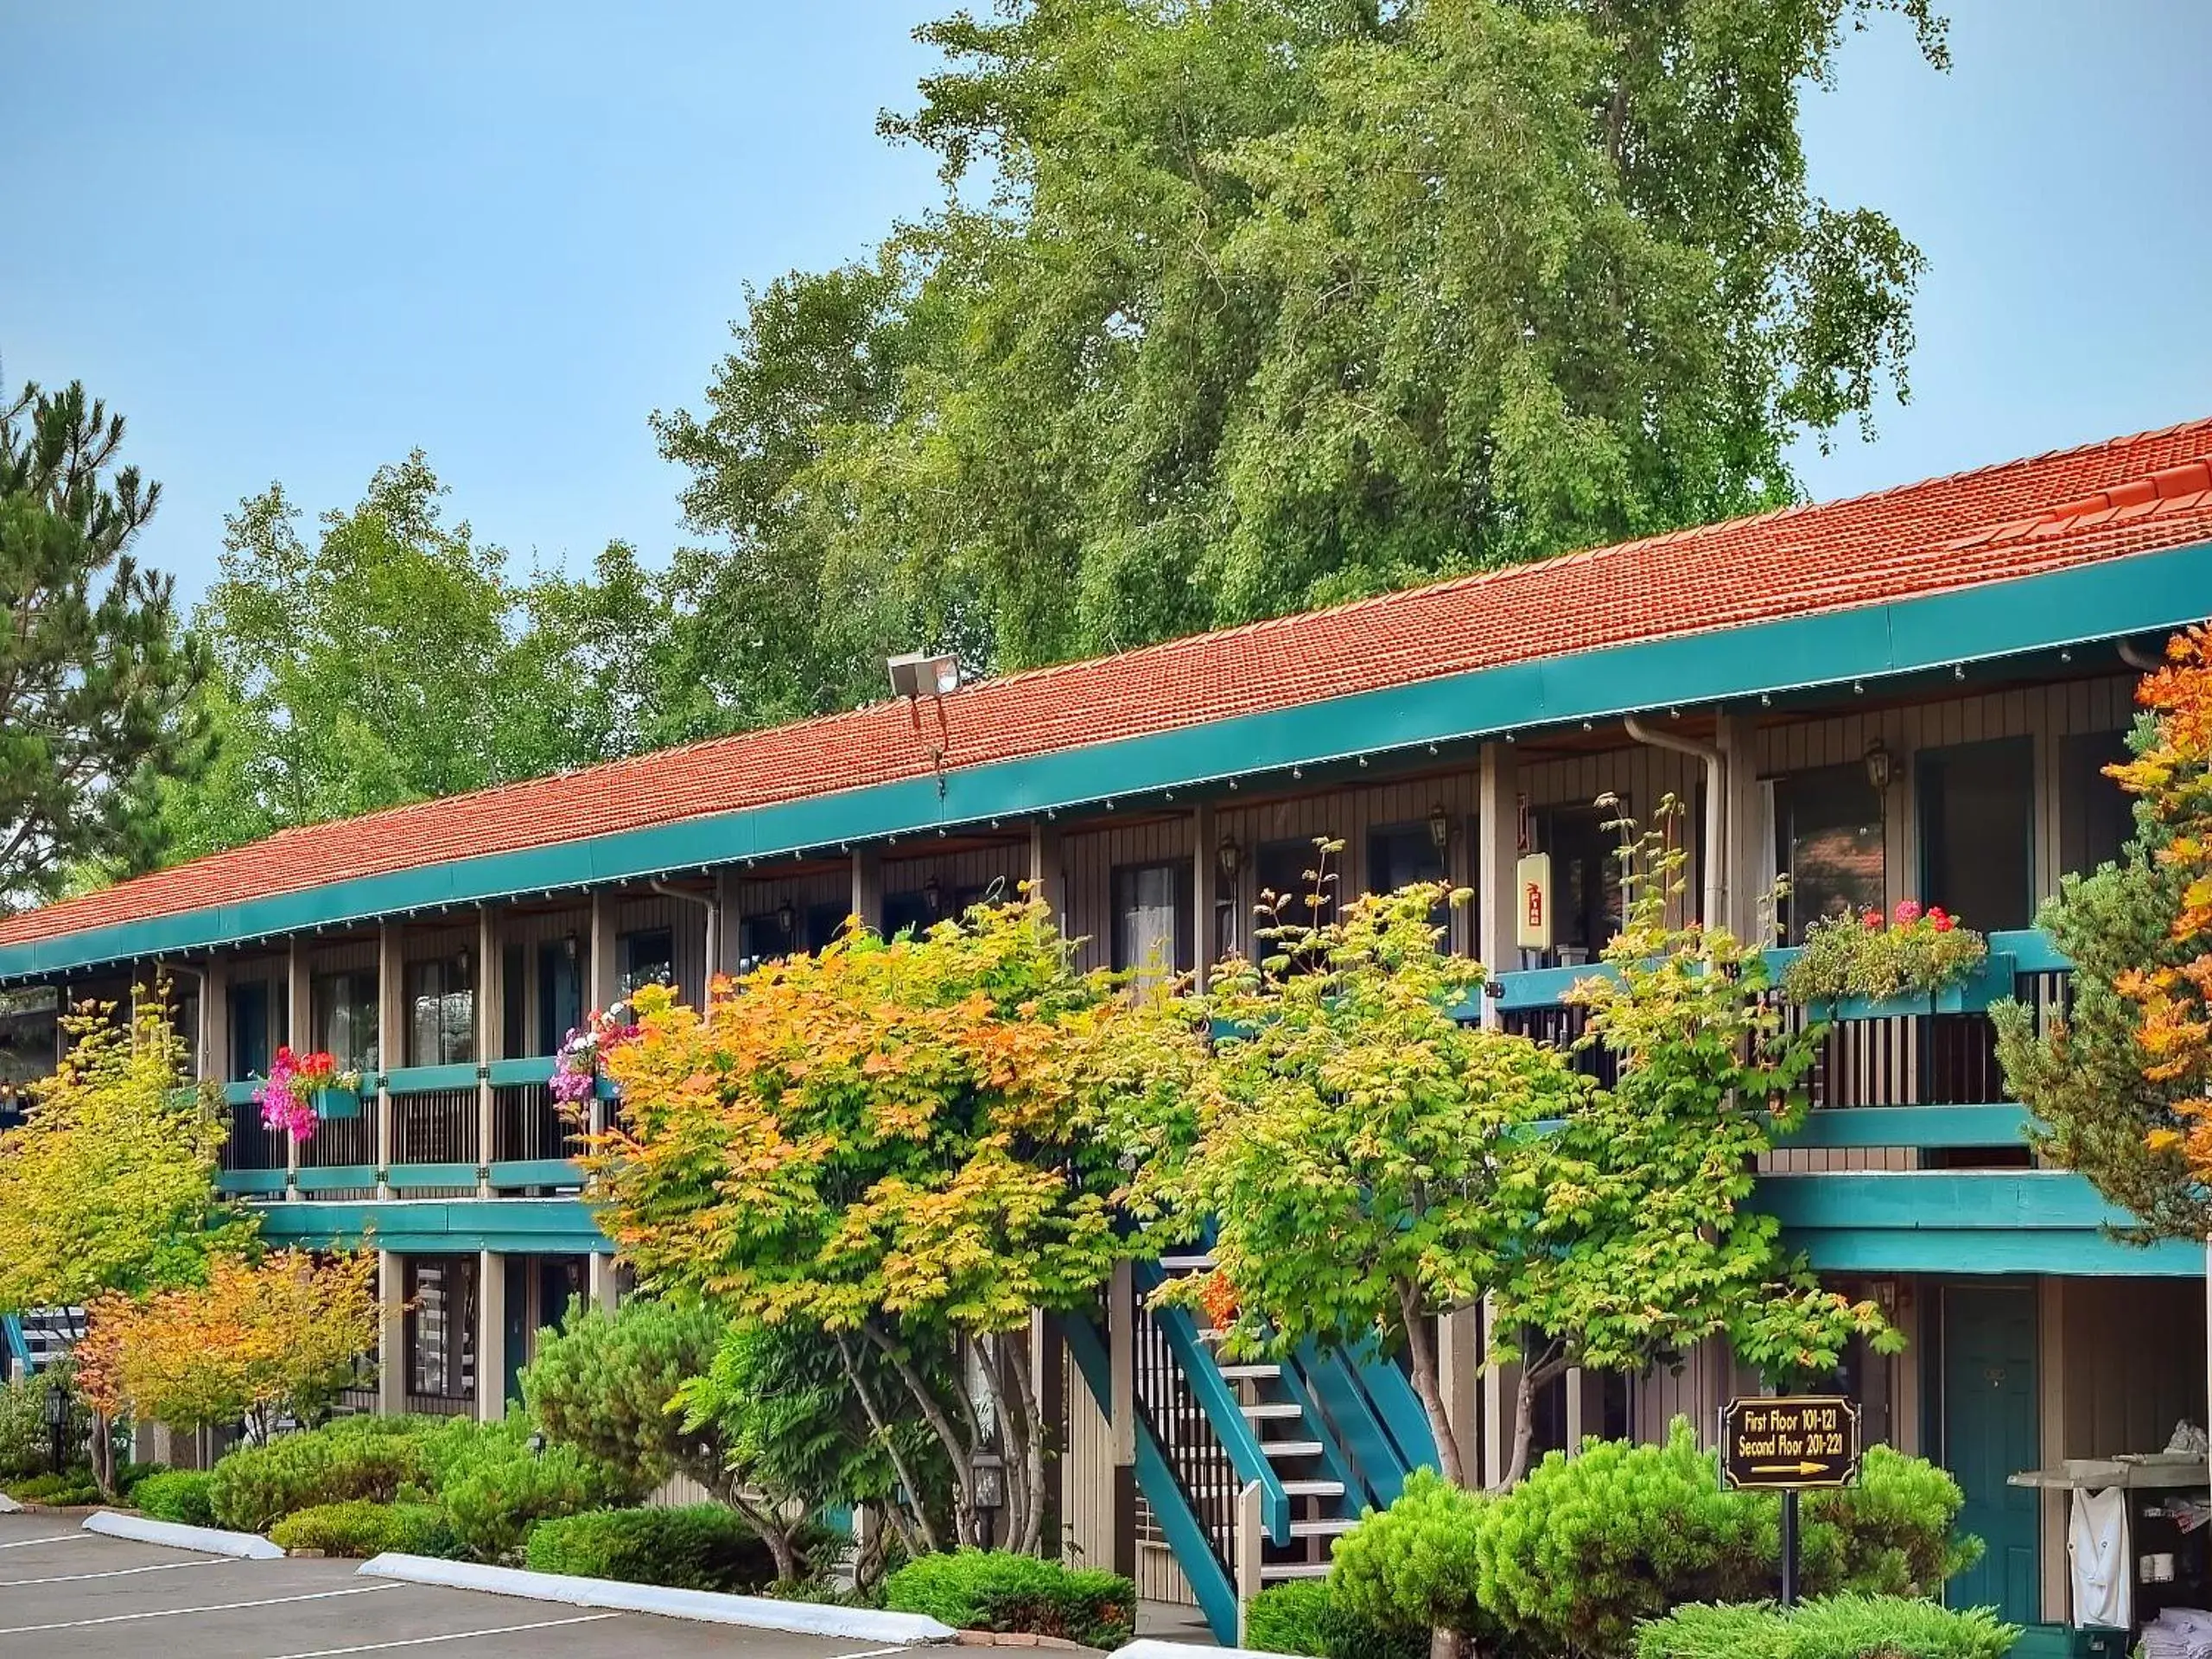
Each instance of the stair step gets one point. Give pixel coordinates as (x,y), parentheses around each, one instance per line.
(1312,1489)
(1331,1526)
(1290,1448)
(1186,1263)
(1273,1411)
(1275,1572)
(1265,1372)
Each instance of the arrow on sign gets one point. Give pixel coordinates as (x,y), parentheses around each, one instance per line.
(1789,1468)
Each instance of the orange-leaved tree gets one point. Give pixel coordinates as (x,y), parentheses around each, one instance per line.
(894,1143)
(2173,774)
(259,1341)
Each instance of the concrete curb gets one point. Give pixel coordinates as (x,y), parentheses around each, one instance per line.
(9,1506)
(759,1612)
(211,1540)
(1148,1648)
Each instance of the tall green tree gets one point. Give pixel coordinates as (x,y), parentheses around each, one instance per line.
(96,677)
(1236,309)
(394,655)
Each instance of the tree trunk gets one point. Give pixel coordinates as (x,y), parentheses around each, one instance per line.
(1533,1377)
(925,1529)
(1428,1382)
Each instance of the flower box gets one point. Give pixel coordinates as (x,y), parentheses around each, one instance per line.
(336,1105)
(1989,980)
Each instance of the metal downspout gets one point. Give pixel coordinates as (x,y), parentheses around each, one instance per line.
(1711,865)
(713,909)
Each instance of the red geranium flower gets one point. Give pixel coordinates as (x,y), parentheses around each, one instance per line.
(1871,919)
(1940,920)
(1908,912)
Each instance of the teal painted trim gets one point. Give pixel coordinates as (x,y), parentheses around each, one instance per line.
(403,1176)
(1544,987)
(1186,1538)
(2032,951)
(1216,1398)
(1337,1411)
(240,1094)
(428,1079)
(336,1177)
(1981,1252)
(2140,593)
(1391,1393)
(12,1345)
(537,1172)
(2011,1200)
(1912,1126)
(536,1069)
(440,1226)
(242,1181)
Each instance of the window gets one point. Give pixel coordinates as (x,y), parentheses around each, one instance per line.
(256,1011)
(1828,842)
(2095,817)
(1152,933)
(913,911)
(441,1326)
(344,1009)
(1289,870)
(1584,844)
(647,957)
(1400,855)
(764,937)
(441,1012)
(560,992)
(29,1021)
(824,923)
(1977,804)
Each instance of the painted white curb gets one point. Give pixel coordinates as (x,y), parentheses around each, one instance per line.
(760,1612)
(211,1540)
(9,1506)
(1151,1649)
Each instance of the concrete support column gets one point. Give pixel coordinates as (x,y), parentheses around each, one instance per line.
(1459,1362)
(491,1335)
(1500,1420)
(491,1024)
(722,923)
(391,1040)
(868,886)
(1742,861)
(1205,891)
(604,1287)
(1121,1424)
(603,971)
(1497,849)
(391,1333)
(215,1021)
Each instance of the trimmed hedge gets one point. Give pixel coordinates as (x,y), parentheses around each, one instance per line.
(495,1488)
(989,1590)
(699,1547)
(1827,1627)
(375,1458)
(1305,1617)
(179,1495)
(360,1528)
(74,1488)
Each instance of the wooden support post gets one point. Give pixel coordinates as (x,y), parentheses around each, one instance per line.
(1121,1426)
(1251,1537)
(491,1335)
(1046,881)
(1741,865)
(489,1001)
(1497,831)
(391,1041)
(1205,889)
(605,1288)
(391,1334)
(215,1021)
(868,886)
(1459,1364)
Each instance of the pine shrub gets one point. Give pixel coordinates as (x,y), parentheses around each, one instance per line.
(180,1495)
(993,1590)
(698,1546)
(1827,1627)
(1305,1615)
(359,1528)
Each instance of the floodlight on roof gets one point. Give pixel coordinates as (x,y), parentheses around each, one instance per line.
(920,674)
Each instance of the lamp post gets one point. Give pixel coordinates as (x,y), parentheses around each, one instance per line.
(57,1418)
(991,1494)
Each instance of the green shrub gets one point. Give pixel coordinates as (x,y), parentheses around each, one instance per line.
(1414,1565)
(72,1488)
(495,1488)
(359,1528)
(1829,1627)
(26,1444)
(376,1458)
(1888,1536)
(181,1494)
(701,1546)
(128,1475)
(1306,1617)
(988,1590)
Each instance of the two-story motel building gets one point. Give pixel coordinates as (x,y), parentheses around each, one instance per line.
(1909,694)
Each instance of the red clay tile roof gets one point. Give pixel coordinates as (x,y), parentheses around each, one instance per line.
(2128,495)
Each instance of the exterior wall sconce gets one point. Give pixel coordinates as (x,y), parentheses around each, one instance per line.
(1227,858)
(1881,765)
(1440,828)
(786,919)
(571,947)
(933,897)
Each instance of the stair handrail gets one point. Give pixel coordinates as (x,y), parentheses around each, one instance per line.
(1219,1401)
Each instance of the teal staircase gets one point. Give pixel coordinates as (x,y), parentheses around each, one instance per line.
(1323,1437)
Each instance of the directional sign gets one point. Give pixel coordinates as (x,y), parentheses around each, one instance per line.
(1787,1443)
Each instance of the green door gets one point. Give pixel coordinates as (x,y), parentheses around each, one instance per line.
(1990,1431)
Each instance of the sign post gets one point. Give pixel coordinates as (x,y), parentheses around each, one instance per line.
(1788,1444)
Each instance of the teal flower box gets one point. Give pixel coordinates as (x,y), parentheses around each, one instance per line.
(336,1105)
(1989,981)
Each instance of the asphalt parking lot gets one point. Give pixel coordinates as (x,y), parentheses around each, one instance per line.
(76,1595)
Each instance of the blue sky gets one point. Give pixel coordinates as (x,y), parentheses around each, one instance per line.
(292,242)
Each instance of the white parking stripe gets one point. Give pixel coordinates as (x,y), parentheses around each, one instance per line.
(875,1653)
(114,1573)
(179,1612)
(451,1636)
(51,1538)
